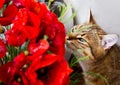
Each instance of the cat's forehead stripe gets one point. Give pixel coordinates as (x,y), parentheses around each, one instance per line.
(81,28)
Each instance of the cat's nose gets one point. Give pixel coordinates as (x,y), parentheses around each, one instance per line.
(67,37)
(70,36)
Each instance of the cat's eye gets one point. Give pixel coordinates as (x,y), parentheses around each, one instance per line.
(82,40)
(72,30)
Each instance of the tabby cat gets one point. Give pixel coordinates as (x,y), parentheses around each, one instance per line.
(103,64)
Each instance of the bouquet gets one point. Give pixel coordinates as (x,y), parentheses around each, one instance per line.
(32,45)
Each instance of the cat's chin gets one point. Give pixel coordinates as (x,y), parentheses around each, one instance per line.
(68,49)
(68,52)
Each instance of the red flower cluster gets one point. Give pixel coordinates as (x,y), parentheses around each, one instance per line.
(2,48)
(43,63)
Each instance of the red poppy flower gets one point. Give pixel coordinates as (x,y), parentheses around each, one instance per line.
(32,5)
(30,32)
(57,45)
(2,48)
(15,37)
(59,73)
(8,15)
(42,10)
(36,8)
(56,33)
(33,19)
(1,3)
(27,22)
(38,48)
(11,73)
(47,70)
(51,27)
(26,18)
(20,18)
(19,60)
(49,21)
(4,71)
(18,34)
(22,3)
(30,23)
(49,18)
(18,78)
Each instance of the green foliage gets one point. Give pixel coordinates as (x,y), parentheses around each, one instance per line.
(76,76)
(63,10)
(1,83)
(74,60)
(14,51)
(49,3)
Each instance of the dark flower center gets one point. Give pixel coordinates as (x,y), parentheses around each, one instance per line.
(42,74)
(17,78)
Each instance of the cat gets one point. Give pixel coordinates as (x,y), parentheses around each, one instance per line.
(103,64)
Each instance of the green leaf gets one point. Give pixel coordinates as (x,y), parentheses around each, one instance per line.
(78,58)
(63,9)
(49,3)
(81,58)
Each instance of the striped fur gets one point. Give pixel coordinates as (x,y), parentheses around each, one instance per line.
(103,63)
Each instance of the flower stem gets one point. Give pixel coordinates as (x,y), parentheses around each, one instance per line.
(45,37)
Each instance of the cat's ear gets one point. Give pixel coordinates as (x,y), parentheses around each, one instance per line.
(109,40)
